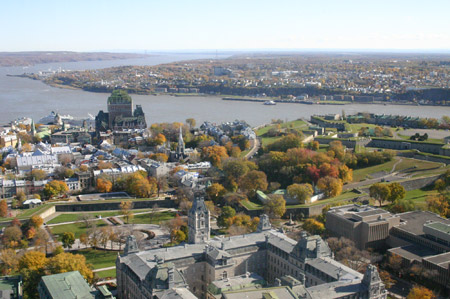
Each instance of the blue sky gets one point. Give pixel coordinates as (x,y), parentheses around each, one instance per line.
(95,25)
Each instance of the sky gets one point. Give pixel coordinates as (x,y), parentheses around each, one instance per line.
(157,25)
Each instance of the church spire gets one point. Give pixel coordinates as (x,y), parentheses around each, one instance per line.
(33,128)
(180,148)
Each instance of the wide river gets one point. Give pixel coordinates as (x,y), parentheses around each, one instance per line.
(24,97)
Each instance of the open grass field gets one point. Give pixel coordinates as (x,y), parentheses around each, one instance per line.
(98,258)
(419,196)
(154,218)
(266,140)
(76,228)
(68,217)
(106,273)
(364,173)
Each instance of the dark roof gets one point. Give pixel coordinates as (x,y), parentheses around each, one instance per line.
(119,96)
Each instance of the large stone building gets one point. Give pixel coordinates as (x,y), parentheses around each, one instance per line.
(120,114)
(365,225)
(268,253)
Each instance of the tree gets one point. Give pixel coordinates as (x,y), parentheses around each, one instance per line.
(313,226)
(161,184)
(402,206)
(84,239)
(68,239)
(254,180)
(42,239)
(9,261)
(227,213)
(214,154)
(380,192)
(160,157)
(438,204)
(300,192)
(397,192)
(66,262)
(31,232)
(126,210)
(178,236)
(275,207)
(159,139)
(32,267)
(420,292)
(36,221)
(12,236)
(191,122)
(215,192)
(86,218)
(104,185)
(330,186)
(285,143)
(21,197)
(345,173)
(3,208)
(55,188)
(37,175)
(140,186)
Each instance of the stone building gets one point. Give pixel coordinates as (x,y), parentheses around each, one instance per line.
(266,252)
(120,114)
(365,225)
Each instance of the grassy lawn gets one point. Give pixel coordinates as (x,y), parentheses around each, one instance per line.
(155,218)
(98,258)
(106,273)
(27,213)
(75,216)
(419,196)
(296,124)
(418,166)
(249,205)
(362,173)
(76,228)
(357,127)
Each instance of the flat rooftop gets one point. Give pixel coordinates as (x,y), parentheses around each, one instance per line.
(443,260)
(442,227)
(413,252)
(413,222)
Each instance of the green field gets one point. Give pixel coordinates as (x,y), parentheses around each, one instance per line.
(106,273)
(266,140)
(98,258)
(76,228)
(364,173)
(155,218)
(75,216)
(419,196)
(27,213)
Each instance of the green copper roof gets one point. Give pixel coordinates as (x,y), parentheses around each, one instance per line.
(119,96)
(68,285)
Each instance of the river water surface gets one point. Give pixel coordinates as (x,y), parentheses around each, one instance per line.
(25,97)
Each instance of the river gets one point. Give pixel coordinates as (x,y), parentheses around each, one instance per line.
(24,97)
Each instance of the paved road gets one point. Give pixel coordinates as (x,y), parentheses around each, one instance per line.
(255,148)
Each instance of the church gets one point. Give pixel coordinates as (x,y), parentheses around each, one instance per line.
(120,115)
(187,270)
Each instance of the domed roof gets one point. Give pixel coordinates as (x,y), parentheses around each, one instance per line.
(119,96)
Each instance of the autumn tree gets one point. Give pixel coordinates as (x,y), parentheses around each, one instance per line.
(84,239)
(380,192)
(397,192)
(36,221)
(3,208)
(420,292)
(191,122)
(9,261)
(254,180)
(12,236)
(104,185)
(160,157)
(275,207)
(439,204)
(345,173)
(330,186)
(55,188)
(214,154)
(226,214)
(140,186)
(300,192)
(126,210)
(215,192)
(37,175)
(32,267)
(313,226)
(68,239)
(66,262)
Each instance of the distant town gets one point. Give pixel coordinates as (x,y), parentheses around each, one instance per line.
(307,78)
(333,206)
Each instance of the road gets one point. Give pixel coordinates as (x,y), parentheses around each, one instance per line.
(255,148)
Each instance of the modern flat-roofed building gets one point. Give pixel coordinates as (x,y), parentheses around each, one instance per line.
(423,238)
(367,226)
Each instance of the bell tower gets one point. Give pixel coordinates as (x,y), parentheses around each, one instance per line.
(198,222)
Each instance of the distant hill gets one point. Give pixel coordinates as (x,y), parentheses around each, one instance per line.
(31,58)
